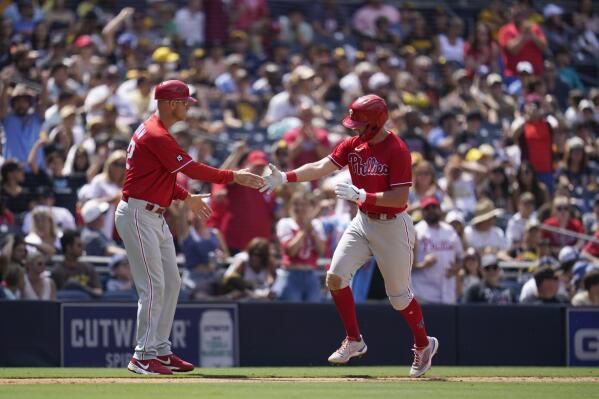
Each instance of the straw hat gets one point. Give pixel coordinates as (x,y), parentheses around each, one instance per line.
(484,211)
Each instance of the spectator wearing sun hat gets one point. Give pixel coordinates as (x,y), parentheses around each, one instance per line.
(482,232)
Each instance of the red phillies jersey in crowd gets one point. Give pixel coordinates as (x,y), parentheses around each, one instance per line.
(153,160)
(376,168)
(246,213)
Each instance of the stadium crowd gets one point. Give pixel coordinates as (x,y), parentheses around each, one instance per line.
(500,108)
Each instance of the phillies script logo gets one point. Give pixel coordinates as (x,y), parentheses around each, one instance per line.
(371,167)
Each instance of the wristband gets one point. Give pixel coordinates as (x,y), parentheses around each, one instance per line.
(291,177)
(370,199)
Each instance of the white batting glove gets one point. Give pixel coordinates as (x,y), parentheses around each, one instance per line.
(275,179)
(350,192)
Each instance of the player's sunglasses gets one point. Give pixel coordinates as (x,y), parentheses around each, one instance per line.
(561,208)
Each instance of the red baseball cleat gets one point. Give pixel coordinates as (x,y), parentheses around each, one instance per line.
(152,366)
(175,363)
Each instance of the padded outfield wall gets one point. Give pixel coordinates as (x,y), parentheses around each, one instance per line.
(277,334)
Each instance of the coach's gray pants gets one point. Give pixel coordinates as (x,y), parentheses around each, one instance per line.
(151,252)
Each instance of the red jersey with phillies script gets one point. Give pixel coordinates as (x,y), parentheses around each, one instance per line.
(153,160)
(376,168)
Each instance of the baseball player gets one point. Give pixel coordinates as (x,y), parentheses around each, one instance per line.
(380,166)
(153,160)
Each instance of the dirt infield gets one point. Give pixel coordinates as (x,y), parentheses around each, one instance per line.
(250,380)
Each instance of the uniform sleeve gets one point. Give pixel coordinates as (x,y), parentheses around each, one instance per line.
(400,171)
(180,192)
(341,153)
(199,171)
(168,152)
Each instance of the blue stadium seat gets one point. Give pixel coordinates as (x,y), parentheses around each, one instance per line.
(119,296)
(72,296)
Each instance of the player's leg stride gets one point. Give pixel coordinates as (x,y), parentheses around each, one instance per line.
(175,363)
(380,166)
(150,367)
(348,349)
(423,357)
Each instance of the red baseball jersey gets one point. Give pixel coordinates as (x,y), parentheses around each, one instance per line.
(153,160)
(376,168)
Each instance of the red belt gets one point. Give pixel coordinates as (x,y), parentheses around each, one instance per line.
(149,207)
(380,216)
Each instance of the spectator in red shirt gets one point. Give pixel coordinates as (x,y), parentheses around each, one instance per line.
(306,142)
(242,214)
(562,219)
(521,40)
(535,137)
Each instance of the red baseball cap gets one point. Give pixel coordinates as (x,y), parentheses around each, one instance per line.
(173,90)
(83,41)
(257,157)
(428,201)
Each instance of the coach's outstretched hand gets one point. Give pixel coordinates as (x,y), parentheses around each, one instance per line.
(196,204)
(273,180)
(247,178)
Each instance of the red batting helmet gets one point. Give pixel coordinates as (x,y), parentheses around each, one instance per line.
(370,110)
(172,90)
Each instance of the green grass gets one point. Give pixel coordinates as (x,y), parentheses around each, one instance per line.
(307,390)
(347,390)
(256,372)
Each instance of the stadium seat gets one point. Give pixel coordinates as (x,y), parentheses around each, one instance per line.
(119,296)
(72,296)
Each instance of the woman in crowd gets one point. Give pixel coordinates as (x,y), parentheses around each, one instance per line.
(37,285)
(44,233)
(303,241)
(425,183)
(526,180)
(482,51)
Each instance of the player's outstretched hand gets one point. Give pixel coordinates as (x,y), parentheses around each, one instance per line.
(195,203)
(272,180)
(350,192)
(247,178)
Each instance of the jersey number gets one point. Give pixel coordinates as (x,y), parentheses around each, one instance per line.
(130,151)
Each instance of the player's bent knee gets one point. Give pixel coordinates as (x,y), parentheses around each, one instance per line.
(335,282)
(402,300)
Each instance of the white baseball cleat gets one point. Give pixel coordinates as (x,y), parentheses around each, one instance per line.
(348,350)
(423,357)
